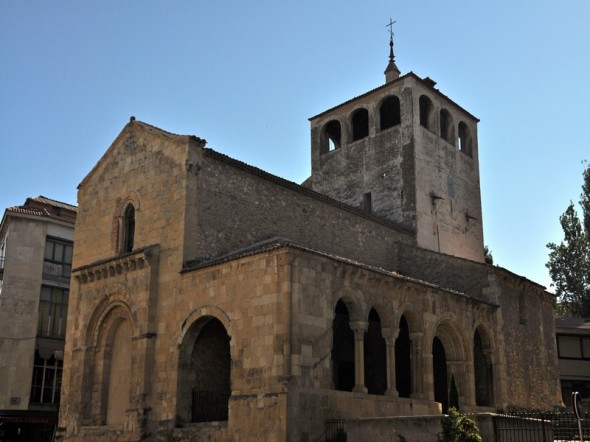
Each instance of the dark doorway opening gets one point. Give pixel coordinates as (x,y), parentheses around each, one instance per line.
(375,356)
(439,369)
(403,360)
(342,349)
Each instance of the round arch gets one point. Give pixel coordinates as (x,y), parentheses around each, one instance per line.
(352,301)
(448,349)
(204,368)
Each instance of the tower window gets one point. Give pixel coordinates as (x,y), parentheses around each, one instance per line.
(465,139)
(331,137)
(389,113)
(425,112)
(360,124)
(128,228)
(446,126)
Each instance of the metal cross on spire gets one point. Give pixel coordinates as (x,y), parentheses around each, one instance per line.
(390,26)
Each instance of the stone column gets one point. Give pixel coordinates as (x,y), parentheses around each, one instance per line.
(390,337)
(419,369)
(359,328)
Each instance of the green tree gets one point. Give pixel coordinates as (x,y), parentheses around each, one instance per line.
(458,428)
(569,261)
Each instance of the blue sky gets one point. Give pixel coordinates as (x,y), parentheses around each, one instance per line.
(246,76)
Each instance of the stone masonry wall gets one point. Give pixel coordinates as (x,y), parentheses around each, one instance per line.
(237,208)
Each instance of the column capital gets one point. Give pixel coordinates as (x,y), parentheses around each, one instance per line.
(359,326)
(390,333)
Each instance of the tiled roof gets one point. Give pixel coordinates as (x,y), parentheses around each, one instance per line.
(44,200)
(425,81)
(44,207)
(276,243)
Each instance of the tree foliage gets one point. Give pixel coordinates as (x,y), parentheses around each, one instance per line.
(569,261)
(458,428)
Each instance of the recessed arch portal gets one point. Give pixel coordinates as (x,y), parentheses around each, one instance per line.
(119,378)
(204,378)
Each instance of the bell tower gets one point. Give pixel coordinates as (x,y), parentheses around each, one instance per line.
(407,153)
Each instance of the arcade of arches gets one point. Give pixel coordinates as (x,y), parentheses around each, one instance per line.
(370,358)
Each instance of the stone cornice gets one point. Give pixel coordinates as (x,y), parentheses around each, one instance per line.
(104,269)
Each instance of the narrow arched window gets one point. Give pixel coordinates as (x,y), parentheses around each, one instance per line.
(446,126)
(389,112)
(332,135)
(465,139)
(128,228)
(360,124)
(425,112)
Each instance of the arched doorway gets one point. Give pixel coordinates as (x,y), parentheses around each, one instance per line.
(403,360)
(119,374)
(375,356)
(439,370)
(342,349)
(204,385)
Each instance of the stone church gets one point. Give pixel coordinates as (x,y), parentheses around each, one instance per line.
(211,300)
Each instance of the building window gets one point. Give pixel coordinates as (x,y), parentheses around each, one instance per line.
(53,311)
(360,124)
(446,126)
(332,136)
(425,112)
(389,113)
(46,384)
(465,139)
(58,258)
(573,347)
(128,228)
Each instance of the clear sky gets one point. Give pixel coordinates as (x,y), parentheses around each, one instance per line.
(246,76)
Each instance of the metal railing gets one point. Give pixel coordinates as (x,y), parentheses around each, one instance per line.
(335,430)
(539,426)
(209,406)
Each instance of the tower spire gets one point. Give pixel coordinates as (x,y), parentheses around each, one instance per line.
(391,72)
